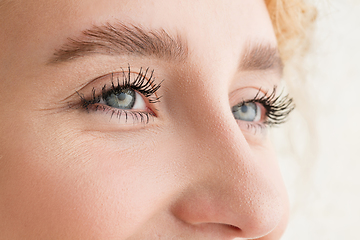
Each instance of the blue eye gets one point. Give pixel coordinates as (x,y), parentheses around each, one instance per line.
(130,96)
(249,112)
(123,99)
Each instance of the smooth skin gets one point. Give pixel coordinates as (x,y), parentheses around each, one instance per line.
(192,172)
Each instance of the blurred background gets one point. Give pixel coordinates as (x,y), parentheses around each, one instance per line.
(323,176)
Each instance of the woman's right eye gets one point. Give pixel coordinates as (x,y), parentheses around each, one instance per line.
(129,96)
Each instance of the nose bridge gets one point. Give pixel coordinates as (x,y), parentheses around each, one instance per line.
(220,147)
(230,187)
(210,132)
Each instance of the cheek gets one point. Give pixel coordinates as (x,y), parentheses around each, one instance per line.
(85,188)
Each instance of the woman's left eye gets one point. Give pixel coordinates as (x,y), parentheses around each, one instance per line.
(264,110)
(250,112)
(126,99)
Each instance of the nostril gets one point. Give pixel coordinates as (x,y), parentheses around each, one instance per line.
(234,228)
(226,231)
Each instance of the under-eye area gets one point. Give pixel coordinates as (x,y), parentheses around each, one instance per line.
(128,96)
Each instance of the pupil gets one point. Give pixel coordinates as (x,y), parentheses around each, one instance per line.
(121,96)
(244,108)
(123,99)
(245,112)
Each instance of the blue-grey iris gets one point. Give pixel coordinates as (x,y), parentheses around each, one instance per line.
(245,111)
(125,99)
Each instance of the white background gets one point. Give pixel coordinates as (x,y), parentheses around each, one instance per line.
(325,197)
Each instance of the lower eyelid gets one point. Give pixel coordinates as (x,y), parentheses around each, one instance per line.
(258,125)
(121,116)
(252,128)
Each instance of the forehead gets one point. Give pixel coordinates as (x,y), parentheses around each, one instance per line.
(204,24)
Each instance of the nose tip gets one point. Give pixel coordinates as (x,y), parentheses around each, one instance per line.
(232,188)
(239,211)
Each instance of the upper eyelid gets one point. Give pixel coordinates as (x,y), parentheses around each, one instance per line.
(139,81)
(119,78)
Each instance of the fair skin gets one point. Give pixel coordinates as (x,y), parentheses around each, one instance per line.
(192,171)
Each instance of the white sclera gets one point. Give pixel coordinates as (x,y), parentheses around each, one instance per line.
(139,102)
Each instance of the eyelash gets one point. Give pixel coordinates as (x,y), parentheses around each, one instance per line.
(141,83)
(277,108)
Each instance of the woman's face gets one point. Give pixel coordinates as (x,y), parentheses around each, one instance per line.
(94,147)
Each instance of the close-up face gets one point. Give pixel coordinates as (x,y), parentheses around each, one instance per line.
(141,119)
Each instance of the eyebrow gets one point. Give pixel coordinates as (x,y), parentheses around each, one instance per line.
(261,57)
(122,39)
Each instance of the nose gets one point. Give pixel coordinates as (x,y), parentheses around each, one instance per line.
(231,189)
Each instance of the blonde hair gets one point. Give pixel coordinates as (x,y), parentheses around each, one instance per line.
(292,21)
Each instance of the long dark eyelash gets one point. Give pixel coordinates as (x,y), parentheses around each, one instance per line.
(277,108)
(143,84)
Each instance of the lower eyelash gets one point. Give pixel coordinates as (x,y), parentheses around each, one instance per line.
(136,116)
(256,127)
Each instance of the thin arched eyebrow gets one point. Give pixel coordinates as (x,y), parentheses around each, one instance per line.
(121,39)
